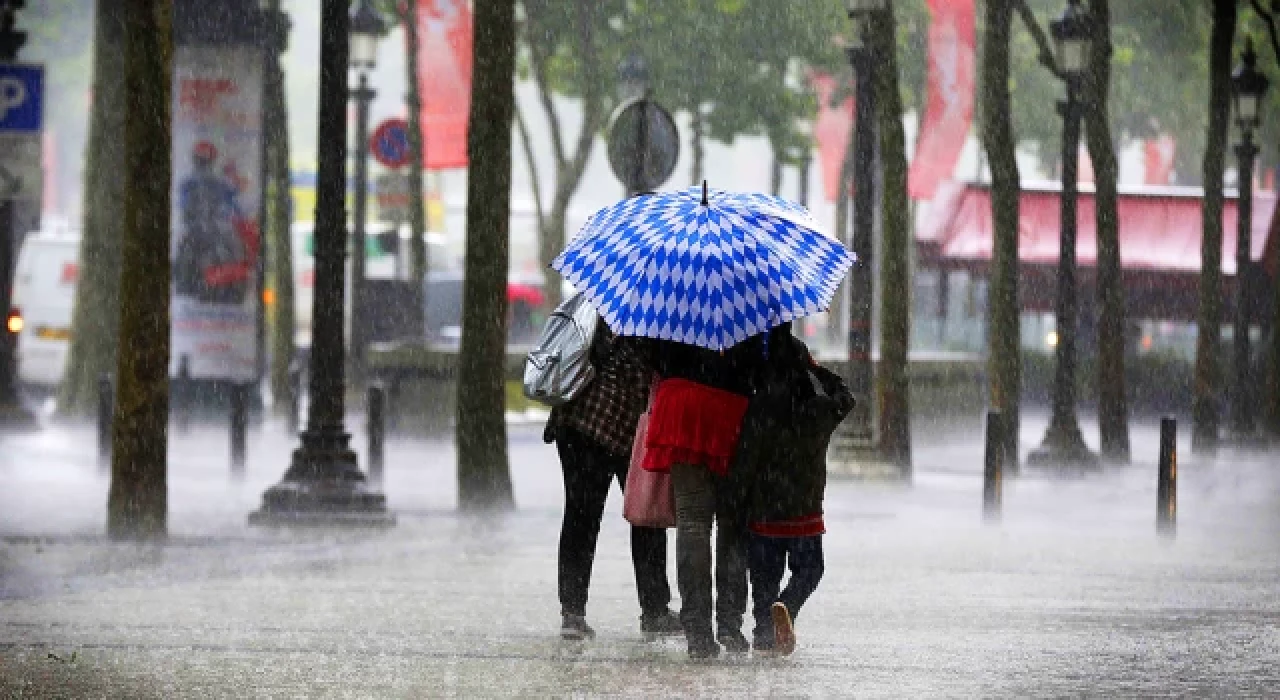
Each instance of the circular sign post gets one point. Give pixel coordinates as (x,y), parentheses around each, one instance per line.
(644,145)
(390,143)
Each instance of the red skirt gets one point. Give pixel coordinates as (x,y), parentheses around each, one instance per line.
(691,423)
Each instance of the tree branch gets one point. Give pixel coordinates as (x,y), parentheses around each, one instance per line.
(527,145)
(1045,55)
(1270,18)
(538,63)
(591,107)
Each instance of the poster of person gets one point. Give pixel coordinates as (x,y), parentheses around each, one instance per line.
(217,152)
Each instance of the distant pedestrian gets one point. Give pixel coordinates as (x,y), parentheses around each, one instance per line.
(593,434)
(781,469)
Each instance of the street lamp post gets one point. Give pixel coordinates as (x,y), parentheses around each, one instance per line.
(855,433)
(13,415)
(367,27)
(1248,86)
(1063,444)
(323,484)
(633,84)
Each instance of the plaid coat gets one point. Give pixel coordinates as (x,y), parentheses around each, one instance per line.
(609,408)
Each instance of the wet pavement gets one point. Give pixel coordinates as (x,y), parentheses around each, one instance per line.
(1071,593)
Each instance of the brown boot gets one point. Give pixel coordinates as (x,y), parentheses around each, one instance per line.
(784,634)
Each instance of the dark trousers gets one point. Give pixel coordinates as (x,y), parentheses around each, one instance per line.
(588,471)
(700,499)
(768,558)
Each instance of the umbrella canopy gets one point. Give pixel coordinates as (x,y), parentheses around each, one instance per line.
(706,268)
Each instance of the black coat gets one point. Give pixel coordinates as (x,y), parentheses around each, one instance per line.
(779,470)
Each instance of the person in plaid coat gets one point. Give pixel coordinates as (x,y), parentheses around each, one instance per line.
(593,434)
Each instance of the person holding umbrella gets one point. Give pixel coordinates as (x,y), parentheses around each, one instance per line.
(704,275)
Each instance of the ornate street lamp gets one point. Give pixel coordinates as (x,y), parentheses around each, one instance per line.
(367,28)
(324,484)
(1248,85)
(855,434)
(1063,444)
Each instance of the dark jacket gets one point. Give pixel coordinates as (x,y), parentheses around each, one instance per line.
(779,470)
(734,370)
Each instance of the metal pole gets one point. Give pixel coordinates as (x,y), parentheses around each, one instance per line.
(1167,484)
(1063,443)
(1242,419)
(993,466)
(8,340)
(239,428)
(377,404)
(295,397)
(805,162)
(183,395)
(363,95)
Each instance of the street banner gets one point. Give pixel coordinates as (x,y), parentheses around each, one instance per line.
(831,130)
(444,81)
(949,100)
(1157,160)
(217,157)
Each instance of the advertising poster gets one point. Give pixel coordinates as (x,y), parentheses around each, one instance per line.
(444,80)
(217,152)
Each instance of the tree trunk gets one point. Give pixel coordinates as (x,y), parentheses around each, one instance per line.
(136,503)
(1004,364)
(775,171)
(418,263)
(96,319)
(892,387)
(279,223)
(1113,406)
(836,314)
(1205,408)
(484,477)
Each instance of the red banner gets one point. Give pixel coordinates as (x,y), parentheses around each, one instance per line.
(949,103)
(444,80)
(1157,160)
(831,131)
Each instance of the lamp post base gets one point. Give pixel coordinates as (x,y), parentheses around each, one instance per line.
(16,418)
(1064,448)
(858,457)
(323,488)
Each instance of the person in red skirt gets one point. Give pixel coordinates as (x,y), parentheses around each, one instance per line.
(693,429)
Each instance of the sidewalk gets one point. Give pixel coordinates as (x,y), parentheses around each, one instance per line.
(1072,593)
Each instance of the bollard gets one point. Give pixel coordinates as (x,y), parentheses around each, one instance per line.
(993,467)
(106,406)
(183,397)
(239,427)
(295,397)
(377,404)
(1167,486)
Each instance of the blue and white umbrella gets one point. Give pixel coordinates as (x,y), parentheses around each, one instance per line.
(705,268)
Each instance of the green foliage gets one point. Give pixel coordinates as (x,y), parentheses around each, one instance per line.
(1159,80)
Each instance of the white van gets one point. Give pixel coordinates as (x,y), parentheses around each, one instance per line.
(44,291)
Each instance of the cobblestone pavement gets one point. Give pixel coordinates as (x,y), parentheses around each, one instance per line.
(1072,593)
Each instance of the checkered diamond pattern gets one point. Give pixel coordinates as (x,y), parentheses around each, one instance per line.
(665,266)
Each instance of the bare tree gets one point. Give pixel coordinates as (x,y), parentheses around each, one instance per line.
(484,476)
(137,501)
(1205,408)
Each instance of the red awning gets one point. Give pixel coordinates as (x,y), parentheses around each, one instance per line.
(1160,228)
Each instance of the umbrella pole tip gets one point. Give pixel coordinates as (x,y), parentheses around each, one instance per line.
(704,194)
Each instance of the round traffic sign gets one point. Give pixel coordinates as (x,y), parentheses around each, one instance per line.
(390,143)
(644,144)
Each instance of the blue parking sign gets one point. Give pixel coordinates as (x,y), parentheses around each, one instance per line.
(21,97)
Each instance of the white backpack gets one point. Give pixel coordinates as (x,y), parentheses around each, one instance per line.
(560,366)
